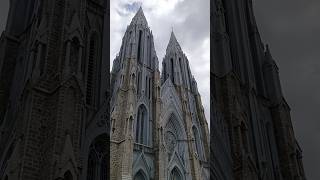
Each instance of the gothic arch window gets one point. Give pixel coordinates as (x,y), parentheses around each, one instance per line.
(74,54)
(91,71)
(164,72)
(139,47)
(92,165)
(181,71)
(68,176)
(140,176)
(97,159)
(174,137)
(172,70)
(104,168)
(149,52)
(141,125)
(175,174)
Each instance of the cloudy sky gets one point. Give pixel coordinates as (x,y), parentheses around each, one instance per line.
(291,27)
(190,25)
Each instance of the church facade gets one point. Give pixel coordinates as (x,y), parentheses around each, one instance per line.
(53,91)
(158,127)
(252,135)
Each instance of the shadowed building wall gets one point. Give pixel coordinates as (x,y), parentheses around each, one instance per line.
(53,91)
(246,90)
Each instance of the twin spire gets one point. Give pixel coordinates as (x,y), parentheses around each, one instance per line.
(139,18)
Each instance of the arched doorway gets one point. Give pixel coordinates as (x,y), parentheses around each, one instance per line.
(175,174)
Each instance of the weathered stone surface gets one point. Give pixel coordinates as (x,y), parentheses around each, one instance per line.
(159,130)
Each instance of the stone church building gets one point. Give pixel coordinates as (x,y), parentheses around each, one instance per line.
(251,135)
(64,116)
(54,105)
(158,127)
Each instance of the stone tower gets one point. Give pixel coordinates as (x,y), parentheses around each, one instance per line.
(158,129)
(246,92)
(134,103)
(53,91)
(186,134)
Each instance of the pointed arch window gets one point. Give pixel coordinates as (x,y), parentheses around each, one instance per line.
(139,47)
(172,70)
(98,159)
(91,71)
(141,125)
(74,54)
(139,176)
(164,72)
(175,174)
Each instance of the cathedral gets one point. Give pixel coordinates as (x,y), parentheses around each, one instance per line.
(54,105)
(251,133)
(65,116)
(158,127)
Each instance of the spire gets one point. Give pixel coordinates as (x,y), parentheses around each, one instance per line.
(173,43)
(139,18)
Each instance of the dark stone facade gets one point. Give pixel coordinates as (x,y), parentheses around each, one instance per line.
(53,91)
(252,116)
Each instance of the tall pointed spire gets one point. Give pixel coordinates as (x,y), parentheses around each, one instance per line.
(173,43)
(139,18)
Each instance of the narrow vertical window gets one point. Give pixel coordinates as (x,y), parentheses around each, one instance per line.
(140,126)
(164,72)
(43,55)
(172,70)
(139,47)
(139,82)
(74,54)
(181,71)
(91,71)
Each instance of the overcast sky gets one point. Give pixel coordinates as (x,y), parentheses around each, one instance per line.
(190,25)
(291,27)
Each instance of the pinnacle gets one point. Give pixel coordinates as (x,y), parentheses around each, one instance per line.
(268,53)
(139,18)
(173,43)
